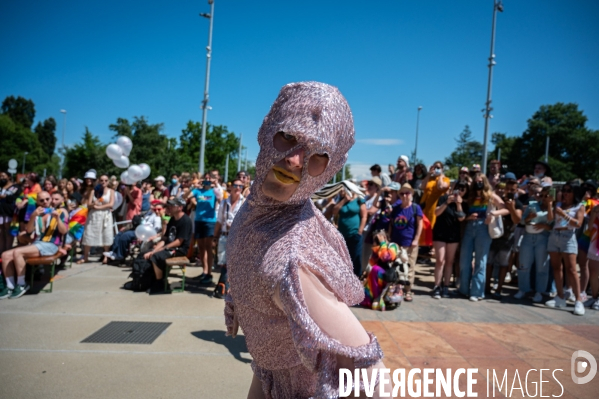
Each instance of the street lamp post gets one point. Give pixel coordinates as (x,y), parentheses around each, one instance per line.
(24,158)
(227,169)
(64,127)
(204,105)
(417,123)
(497,6)
(239,152)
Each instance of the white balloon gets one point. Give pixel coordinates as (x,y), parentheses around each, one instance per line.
(118,200)
(125,143)
(114,151)
(145,168)
(12,164)
(122,162)
(144,231)
(135,172)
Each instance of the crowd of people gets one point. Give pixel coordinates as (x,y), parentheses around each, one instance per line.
(190,217)
(481,230)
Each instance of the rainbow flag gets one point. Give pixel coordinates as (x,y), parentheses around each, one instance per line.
(31,206)
(77,220)
(14,225)
(373,286)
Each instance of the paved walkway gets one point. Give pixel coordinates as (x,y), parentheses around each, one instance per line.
(41,354)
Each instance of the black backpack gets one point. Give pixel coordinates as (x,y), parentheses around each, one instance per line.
(142,275)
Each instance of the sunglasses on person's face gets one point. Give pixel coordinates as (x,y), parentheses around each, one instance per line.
(237,185)
(103,180)
(44,199)
(405,193)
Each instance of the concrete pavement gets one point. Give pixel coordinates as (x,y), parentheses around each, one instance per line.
(41,354)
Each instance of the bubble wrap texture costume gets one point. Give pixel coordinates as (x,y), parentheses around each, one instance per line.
(271,242)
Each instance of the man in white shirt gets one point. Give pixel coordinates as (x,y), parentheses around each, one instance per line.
(120,246)
(228,209)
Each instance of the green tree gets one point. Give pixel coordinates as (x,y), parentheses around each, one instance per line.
(339,176)
(15,140)
(573,148)
(20,110)
(46,135)
(219,143)
(90,153)
(467,152)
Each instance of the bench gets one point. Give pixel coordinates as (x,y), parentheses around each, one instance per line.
(40,261)
(181,262)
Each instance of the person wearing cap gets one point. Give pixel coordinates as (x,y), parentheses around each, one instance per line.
(533,246)
(542,171)
(402,171)
(122,241)
(160,191)
(174,242)
(404,229)
(372,201)
(205,200)
(464,175)
(376,171)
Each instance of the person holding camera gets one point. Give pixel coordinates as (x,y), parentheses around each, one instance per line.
(533,248)
(562,246)
(434,185)
(446,236)
(500,254)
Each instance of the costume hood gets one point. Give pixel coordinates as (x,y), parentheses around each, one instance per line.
(319,117)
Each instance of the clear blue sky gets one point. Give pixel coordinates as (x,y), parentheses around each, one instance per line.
(109,59)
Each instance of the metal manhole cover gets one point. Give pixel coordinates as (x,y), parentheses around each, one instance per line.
(127,332)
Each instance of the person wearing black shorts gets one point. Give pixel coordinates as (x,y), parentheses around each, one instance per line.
(175,241)
(447,235)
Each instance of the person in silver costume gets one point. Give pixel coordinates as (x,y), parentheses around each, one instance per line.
(290,273)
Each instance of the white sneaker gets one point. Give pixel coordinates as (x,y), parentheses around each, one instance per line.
(569,295)
(583,297)
(494,286)
(508,277)
(520,295)
(595,305)
(578,308)
(556,302)
(538,298)
(473,299)
(109,254)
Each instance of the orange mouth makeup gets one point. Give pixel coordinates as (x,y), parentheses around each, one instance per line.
(284,176)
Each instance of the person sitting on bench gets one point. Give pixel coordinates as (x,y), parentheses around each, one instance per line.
(50,223)
(122,240)
(175,241)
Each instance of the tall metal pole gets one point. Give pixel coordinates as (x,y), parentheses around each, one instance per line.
(417,123)
(239,154)
(24,158)
(547,150)
(64,127)
(343,173)
(499,154)
(246,159)
(227,169)
(204,105)
(497,6)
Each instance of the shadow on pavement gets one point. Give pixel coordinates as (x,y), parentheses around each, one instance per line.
(235,345)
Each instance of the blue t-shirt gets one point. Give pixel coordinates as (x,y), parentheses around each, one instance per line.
(206,205)
(403,224)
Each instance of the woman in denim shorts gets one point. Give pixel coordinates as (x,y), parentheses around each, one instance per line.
(562,246)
